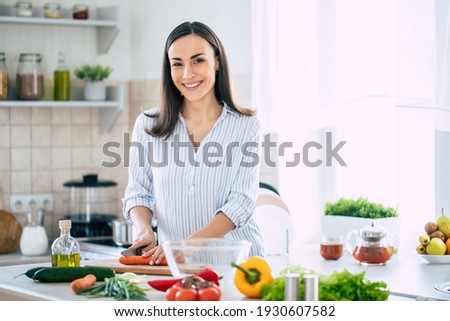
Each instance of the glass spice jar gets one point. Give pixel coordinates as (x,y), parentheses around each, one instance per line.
(52,11)
(80,12)
(23,9)
(3,77)
(29,77)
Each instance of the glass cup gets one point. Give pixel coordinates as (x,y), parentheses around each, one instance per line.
(331,248)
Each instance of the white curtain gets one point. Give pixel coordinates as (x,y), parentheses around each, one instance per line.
(364,71)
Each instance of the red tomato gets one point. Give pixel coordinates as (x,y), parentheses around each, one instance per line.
(186,295)
(192,281)
(211,293)
(172,291)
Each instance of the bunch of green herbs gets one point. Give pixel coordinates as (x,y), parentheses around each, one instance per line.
(338,286)
(360,207)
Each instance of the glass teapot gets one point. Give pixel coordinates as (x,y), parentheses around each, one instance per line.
(371,245)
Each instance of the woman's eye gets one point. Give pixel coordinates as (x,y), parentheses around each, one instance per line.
(176,64)
(197,61)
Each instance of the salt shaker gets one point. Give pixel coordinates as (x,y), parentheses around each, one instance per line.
(291,287)
(311,287)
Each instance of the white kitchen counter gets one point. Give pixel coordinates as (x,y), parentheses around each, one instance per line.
(406,275)
(23,288)
(16,258)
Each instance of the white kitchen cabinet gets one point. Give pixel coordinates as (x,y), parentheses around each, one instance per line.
(105,20)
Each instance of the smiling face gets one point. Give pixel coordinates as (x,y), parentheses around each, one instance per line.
(193,67)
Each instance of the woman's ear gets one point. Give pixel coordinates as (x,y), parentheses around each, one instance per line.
(217,64)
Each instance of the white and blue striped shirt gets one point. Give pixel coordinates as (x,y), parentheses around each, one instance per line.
(186,189)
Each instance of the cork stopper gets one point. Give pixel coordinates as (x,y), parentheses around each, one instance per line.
(65,224)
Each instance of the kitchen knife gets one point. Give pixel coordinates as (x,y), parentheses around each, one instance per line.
(132,252)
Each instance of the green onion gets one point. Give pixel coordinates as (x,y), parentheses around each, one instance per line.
(116,287)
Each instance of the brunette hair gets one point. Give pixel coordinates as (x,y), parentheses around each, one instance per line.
(171,99)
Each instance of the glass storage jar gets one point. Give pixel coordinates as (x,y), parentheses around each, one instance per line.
(80,11)
(52,10)
(29,77)
(3,77)
(23,9)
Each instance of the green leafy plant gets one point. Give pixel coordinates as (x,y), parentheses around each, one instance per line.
(93,72)
(359,208)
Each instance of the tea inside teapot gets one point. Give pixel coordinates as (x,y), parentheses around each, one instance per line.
(371,245)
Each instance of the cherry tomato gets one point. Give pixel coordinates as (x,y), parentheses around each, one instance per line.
(186,295)
(211,293)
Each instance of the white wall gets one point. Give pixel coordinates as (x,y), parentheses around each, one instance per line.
(151,21)
(137,51)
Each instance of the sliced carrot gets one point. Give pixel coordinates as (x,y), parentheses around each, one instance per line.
(139,260)
(83,283)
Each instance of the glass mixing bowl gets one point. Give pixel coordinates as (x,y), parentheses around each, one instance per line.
(187,257)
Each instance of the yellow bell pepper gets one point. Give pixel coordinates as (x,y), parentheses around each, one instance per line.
(251,275)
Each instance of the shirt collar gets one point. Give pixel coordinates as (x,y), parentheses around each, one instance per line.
(229,110)
(225,110)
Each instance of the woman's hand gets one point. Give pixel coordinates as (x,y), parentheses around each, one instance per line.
(146,240)
(157,253)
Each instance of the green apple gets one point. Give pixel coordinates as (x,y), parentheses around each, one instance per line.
(436,247)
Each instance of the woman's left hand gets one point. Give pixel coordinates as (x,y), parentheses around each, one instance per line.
(157,253)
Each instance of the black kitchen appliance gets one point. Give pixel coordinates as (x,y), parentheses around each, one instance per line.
(92,207)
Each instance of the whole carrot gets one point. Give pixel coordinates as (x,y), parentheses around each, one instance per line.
(139,260)
(83,283)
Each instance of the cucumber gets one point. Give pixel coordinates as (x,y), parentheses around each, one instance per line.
(67,274)
(31,272)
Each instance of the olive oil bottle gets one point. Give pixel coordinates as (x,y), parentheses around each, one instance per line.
(61,79)
(65,249)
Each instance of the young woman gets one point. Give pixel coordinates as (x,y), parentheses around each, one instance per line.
(194,164)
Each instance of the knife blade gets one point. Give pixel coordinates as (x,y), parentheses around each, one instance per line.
(135,252)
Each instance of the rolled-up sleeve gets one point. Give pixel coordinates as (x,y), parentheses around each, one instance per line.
(240,203)
(139,191)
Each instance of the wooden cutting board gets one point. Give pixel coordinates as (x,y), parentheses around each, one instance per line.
(10,230)
(138,269)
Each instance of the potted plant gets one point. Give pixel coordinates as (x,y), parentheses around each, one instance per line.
(94,77)
(345,215)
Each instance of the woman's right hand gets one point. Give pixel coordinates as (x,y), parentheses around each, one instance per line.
(146,239)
